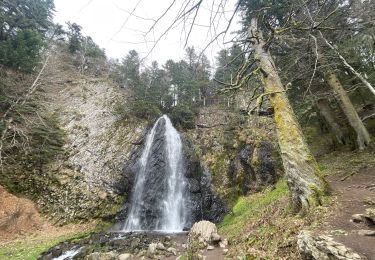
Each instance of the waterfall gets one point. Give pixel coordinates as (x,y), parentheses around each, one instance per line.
(157,199)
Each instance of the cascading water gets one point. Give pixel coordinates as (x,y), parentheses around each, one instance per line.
(158,201)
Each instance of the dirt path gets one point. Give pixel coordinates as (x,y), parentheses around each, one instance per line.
(353,186)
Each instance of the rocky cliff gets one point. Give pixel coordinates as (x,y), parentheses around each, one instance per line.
(239,151)
(84,180)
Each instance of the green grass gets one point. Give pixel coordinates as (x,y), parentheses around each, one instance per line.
(31,248)
(250,208)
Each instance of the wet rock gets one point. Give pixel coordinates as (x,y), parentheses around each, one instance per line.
(322,247)
(193,185)
(135,242)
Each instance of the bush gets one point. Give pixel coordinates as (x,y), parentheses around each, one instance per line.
(183,116)
(144,109)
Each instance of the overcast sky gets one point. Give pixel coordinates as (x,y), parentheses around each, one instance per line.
(108,22)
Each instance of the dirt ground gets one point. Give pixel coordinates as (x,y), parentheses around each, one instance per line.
(353,185)
(20,221)
(18,217)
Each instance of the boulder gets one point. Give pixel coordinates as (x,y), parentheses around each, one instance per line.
(205,231)
(323,247)
(125,256)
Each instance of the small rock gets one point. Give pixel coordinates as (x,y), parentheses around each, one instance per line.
(223,243)
(339,232)
(102,256)
(357,218)
(210,248)
(125,256)
(364,232)
(369,201)
(152,248)
(225,250)
(160,246)
(370,215)
(135,243)
(172,250)
(102,195)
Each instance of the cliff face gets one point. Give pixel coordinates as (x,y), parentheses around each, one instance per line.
(239,151)
(89,181)
(84,180)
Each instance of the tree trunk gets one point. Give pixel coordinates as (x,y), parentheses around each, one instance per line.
(363,137)
(304,179)
(329,117)
(347,65)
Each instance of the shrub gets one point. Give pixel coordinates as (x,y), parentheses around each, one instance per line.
(183,116)
(144,109)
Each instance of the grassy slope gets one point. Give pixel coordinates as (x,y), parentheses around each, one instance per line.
(31,248)
(262,225)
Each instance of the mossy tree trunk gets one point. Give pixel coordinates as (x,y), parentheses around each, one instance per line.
(301,170)
(326,111)
(363,137)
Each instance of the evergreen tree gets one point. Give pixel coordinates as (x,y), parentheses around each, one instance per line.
(23,26)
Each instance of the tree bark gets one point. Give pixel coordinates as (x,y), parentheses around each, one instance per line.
(363,137)
(303,176)
(329,117)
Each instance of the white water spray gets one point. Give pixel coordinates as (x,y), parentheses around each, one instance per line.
(173,215)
